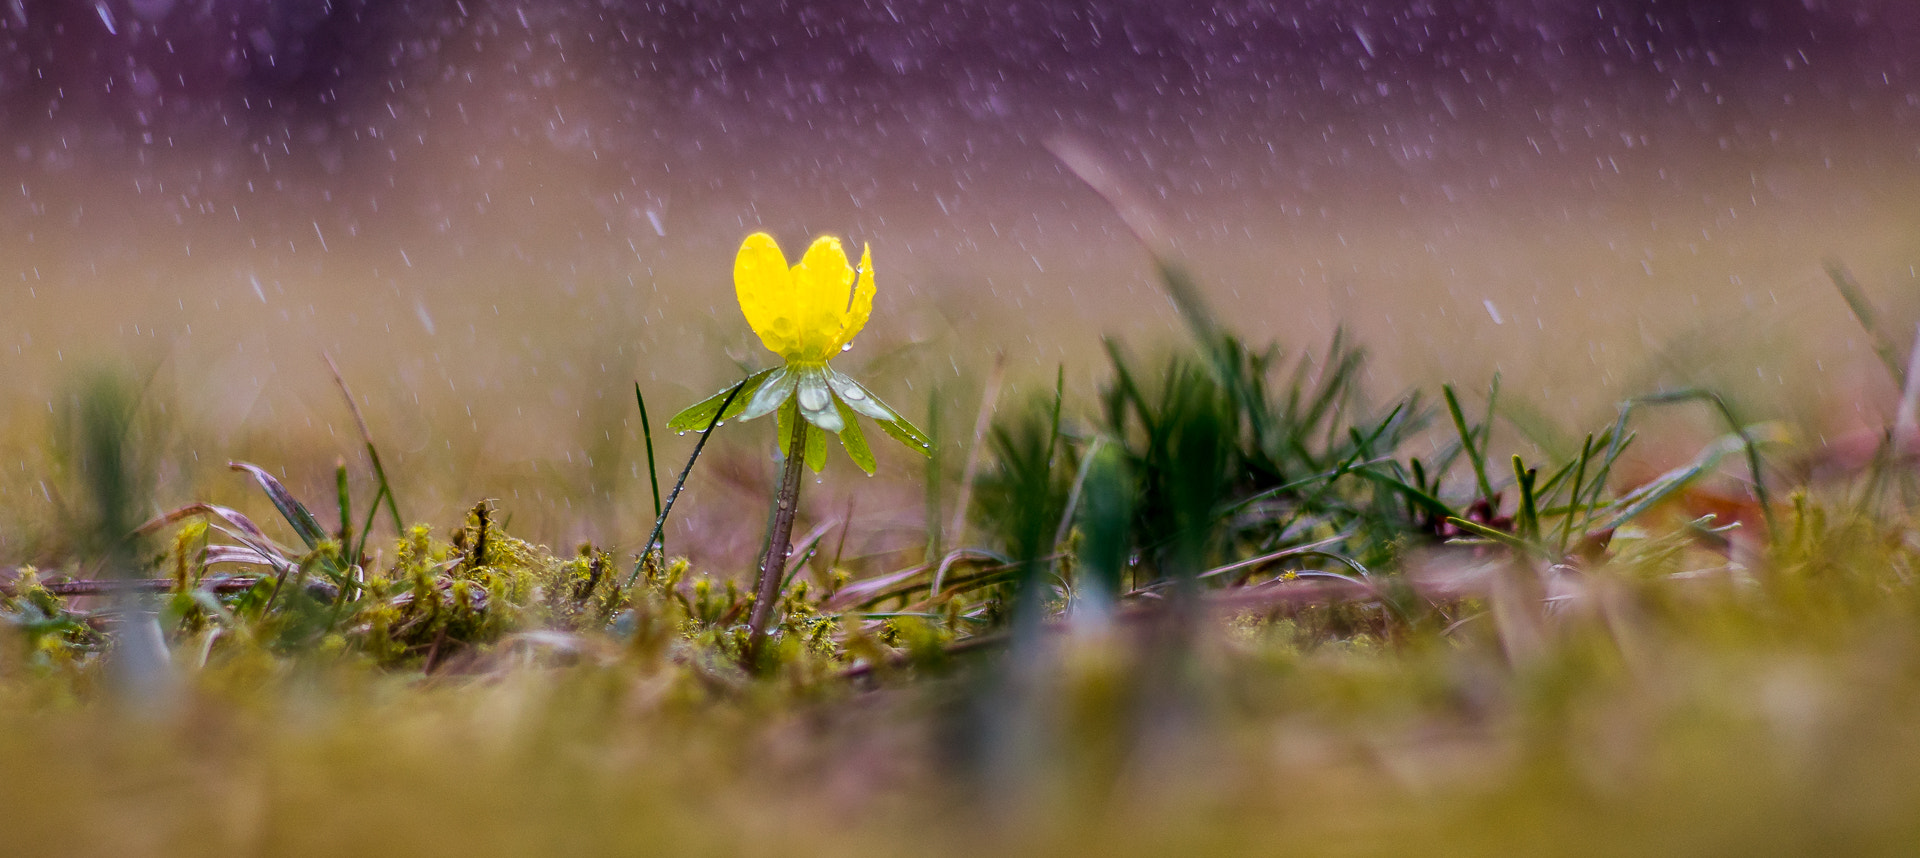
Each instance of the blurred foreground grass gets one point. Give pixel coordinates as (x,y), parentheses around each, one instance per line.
(1231,606)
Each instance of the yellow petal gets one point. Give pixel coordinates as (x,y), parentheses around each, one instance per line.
(823,287)
(765,289)
(862,304)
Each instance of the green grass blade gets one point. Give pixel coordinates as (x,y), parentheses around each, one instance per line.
(1573,494)
(660,521)
(1467,435)
(1416,495)
(1739,430)
(1869,319)
(646,431)
(373,452)
(345,500)
(304,524)
(1527,522)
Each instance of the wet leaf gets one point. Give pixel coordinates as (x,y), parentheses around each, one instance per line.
(700,415)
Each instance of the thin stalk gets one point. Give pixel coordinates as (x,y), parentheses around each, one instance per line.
(773,566)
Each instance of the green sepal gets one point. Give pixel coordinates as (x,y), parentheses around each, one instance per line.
(816,398)
(853,395)
(854,439)
(858,397)
(773,393)
(906,433)
(788,413)
(817,449)
(700,415)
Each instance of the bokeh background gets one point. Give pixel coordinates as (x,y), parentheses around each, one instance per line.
(498,217)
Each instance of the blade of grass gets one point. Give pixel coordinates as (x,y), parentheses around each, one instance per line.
(1738,428)
(344,499)
(1467,443)
(935,482)
(1500,536)
(1418,496)
(373,453)
(1573,508)
(1073,492)
(366,528)
(1129,391)
(660,521)
(1647,496)
(1486,420)
(982,422)
(304,524)
(1527,522)
(1906,420)
(1139,218)
(1868,317)
(646,431)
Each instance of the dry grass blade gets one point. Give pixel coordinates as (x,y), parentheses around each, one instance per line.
(1869,318)
(989,395)
(233,518)
(899,584)
(102,587)
(304,524)
(1907,417)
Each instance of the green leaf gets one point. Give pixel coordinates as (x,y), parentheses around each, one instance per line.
(854,439)
(699,416)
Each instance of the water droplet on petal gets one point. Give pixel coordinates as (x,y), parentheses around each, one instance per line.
(855,394)
(813,398)
(846,347)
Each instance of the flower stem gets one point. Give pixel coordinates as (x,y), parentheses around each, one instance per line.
(773,567)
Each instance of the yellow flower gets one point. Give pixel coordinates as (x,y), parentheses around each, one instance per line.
(806,314)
